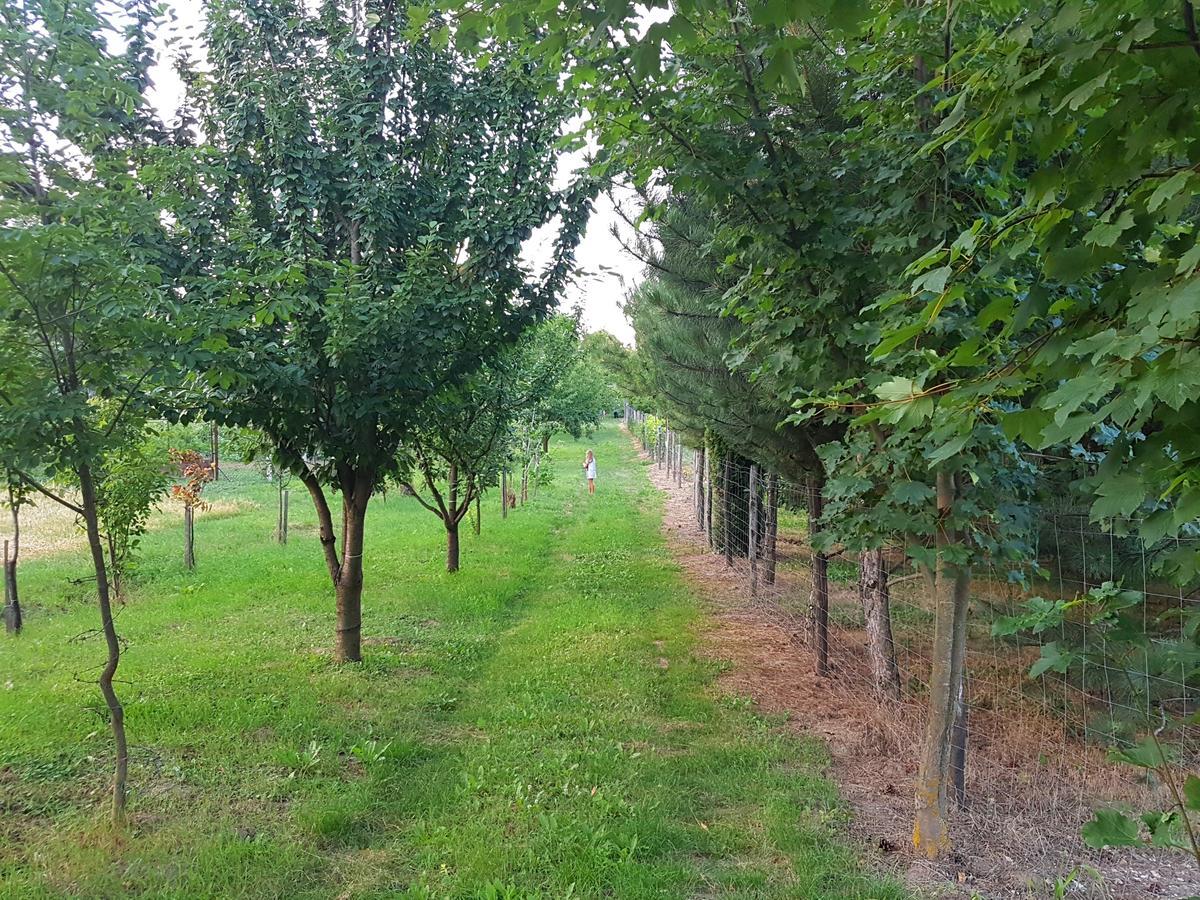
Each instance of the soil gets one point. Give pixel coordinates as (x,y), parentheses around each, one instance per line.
(1030,785)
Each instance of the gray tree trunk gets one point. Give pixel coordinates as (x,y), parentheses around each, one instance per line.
(931,829)
(876,602)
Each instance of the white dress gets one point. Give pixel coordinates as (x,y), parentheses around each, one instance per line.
(591,469)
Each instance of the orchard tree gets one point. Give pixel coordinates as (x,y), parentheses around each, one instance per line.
(458,450)
(470,431)
(565,388)
(358,214)
(86,322)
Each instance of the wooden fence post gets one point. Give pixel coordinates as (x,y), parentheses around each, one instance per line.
(189,537)
(214,439)
(283,514)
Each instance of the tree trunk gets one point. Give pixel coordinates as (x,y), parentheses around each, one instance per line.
(931,833)
(819,600)
(545,443)
(451,546)
(12,603)
(958,750)
(504,493)
(348,645)
(116,712)
(450,518)
(772,527)
(478,512)
(881,650)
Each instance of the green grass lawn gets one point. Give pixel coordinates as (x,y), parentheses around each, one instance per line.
(534,726)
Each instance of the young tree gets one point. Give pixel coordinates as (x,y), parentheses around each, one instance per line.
(567,388)
(461,446)
(469,431)
(86,321)
(358,231)
(132,481)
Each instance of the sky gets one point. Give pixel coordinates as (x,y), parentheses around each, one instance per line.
(606,271)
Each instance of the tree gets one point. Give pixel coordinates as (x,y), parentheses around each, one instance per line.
(461,446)
(470,431)
(132,481)
(567,388)
(86,320)
(358,221)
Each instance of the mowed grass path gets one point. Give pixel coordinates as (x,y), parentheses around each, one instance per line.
(536,725)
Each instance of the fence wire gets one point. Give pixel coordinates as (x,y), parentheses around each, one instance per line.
(1037,745)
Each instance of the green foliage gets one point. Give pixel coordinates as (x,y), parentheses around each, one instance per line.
(471,431)
(1104,629)
(133,479)
(351,270)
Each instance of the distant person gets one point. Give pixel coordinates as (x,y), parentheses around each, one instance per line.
(589,466)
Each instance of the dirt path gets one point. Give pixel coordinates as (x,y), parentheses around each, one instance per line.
(1020,835)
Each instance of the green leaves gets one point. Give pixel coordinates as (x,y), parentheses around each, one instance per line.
(1111,828)
(1054,658)
(1146,754)
(387,261)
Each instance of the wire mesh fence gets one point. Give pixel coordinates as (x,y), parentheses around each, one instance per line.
(1043,706)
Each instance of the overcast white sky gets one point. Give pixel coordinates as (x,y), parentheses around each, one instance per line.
(606,271)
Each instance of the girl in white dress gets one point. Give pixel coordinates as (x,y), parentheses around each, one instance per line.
(589,465)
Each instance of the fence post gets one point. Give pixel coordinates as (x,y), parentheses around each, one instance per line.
(712,545)
(772,525)
(726,510)
(820,580)
(189,535)
(697,508)
(281,524)
(752,531)
(214,440)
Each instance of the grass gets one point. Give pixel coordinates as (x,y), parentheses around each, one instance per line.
(538,725)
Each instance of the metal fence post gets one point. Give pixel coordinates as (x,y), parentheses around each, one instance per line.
(708,500)
(752,531)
